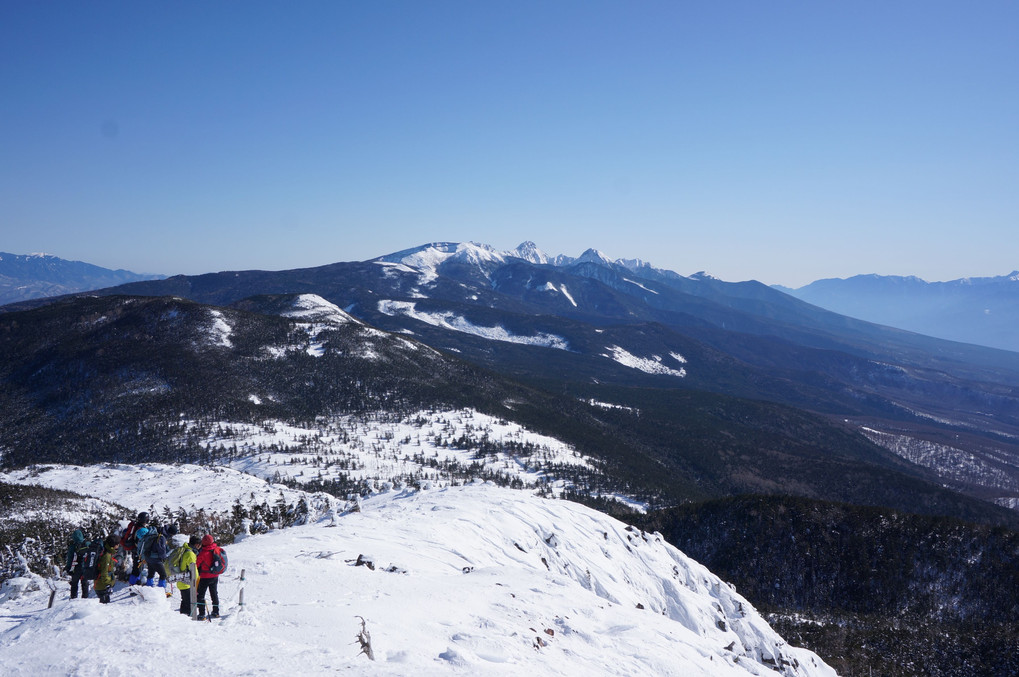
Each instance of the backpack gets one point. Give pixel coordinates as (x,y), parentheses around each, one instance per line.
(127,540)
(219,561)
(89,556)
(149,543)
(175,562)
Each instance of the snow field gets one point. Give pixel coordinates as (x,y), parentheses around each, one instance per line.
(155,486)
(467,580)
(391,451)
(652,365)
(452,321)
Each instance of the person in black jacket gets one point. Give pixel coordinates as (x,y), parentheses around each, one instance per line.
(156,550)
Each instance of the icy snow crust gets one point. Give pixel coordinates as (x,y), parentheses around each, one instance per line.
(451,321)
(469,580)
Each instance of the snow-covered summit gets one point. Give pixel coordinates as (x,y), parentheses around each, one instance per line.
(467,580)
(529,251)
(593,256)
(314,308)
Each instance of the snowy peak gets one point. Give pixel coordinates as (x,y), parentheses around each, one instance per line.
(475,253)
(314,308)
(429,260)
(529,251)
(593,256)
(426,256)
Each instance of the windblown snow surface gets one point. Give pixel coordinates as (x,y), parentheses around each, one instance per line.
(472,580)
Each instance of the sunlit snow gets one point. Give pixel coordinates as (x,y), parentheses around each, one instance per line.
(652,365)
(454,322)
(220,330)
(470,580)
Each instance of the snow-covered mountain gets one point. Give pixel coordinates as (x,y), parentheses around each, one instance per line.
(462,580)
(30,276)
(979,310)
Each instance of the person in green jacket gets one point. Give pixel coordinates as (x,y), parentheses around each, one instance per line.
(104,579)
(187,559)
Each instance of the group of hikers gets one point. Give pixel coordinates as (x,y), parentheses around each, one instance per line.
(149,547)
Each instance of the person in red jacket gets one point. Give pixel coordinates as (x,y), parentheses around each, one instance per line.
(208,576)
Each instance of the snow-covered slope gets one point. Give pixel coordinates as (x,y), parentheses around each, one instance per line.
(467,580)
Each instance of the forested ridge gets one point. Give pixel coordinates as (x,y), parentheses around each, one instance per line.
(907,594)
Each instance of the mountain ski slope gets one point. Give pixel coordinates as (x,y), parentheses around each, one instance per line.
(466,580)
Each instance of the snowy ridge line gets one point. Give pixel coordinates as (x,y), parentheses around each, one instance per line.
(313,316)
(314,308)
(469,580)
(454,322)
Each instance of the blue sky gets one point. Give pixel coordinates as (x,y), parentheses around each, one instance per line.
(779,141)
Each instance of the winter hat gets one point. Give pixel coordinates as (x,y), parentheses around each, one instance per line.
(207,540)
(171,530)
(194,542)
(142,519)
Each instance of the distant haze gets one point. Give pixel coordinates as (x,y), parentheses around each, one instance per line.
(984,311)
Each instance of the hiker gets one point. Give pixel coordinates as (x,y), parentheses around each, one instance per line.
(187,558)
(133,535)
(208,572)
(104,579)
(75,558)
(155,550)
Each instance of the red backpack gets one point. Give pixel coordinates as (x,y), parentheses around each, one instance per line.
(127,540)
(217,563)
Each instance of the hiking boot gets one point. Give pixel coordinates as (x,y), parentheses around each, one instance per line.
(215,614)
(149,583)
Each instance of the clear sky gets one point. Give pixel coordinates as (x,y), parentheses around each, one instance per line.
(779,141)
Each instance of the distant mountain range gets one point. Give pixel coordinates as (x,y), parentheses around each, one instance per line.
(651,388)
(31,276)
(979,310)
(775,388)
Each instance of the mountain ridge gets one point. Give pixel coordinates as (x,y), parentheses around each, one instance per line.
(979,310)
(28,276)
